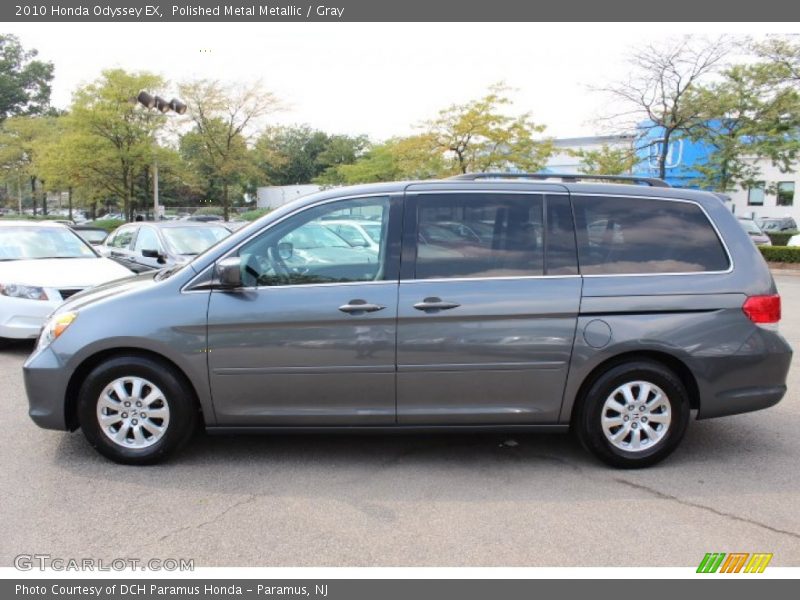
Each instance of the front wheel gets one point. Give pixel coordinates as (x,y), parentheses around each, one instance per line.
(634,415)
(136,410)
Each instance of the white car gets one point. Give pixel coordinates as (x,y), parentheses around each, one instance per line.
(41,265)
(363,234)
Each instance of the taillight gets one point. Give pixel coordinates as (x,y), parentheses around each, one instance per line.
(763,309)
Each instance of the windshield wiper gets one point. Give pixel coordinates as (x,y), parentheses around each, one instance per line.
(59,257)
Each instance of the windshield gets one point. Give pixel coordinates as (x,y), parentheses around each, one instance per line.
(312,235)
(768,225)
(374,231)
(29,242)
(750,226)
(438,234)
(190,241)
(93,236)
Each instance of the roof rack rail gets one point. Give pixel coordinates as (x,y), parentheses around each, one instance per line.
(570,177)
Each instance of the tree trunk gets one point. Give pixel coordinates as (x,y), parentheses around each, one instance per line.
(69,202)
(128,200)
(44,199)
(225,200)
(33,194)
(662,155)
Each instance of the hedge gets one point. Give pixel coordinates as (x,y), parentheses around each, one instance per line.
(107,224)
(780,238)
(784,254)
(252,215)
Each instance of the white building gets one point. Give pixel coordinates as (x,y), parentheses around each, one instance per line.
(562,160)
(776,196)
(277,195)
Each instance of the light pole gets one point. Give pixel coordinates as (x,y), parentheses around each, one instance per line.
(151,102)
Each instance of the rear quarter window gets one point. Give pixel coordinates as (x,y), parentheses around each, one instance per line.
(620,235)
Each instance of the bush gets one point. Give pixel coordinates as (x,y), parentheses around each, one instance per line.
(27,217)
(252,215)
(107,224)
(780,238)
(210,210)
(784,254)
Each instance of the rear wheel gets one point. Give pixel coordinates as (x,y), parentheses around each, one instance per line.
(135,410)
(634,415)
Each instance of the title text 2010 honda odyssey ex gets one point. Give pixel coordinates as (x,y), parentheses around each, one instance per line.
(521,302)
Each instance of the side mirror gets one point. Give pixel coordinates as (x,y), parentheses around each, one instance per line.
(149,253)
(229,272)
(285,250)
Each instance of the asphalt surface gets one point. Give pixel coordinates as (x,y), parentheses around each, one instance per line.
(436,500)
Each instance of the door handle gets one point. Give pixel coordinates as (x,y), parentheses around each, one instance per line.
(434,303)
(360,306)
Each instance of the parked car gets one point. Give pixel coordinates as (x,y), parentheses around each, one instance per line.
(364,234)
(203,218)
(794,241)
(147,246)
(94,235)
(41,265)
(619,333)
(775,224)
(754,231)
(235,225)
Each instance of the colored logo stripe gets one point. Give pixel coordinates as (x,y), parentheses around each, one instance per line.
(711,562)
(734,563)
(758,562)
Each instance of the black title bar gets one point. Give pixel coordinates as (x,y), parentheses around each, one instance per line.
(400,10)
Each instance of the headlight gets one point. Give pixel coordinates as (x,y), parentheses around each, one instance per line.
(28,292)
(55,326)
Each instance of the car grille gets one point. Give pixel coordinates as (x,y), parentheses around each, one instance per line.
(67,293)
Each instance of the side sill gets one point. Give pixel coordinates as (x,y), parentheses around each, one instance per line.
(382,429)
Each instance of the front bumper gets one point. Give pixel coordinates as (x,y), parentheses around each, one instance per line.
(46,381)
(22,319)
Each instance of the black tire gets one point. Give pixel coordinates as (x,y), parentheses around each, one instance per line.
(588,424)
(178,395)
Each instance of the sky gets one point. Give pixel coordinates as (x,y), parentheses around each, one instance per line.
(371,78)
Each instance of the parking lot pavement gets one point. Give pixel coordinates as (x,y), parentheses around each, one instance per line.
(437,500)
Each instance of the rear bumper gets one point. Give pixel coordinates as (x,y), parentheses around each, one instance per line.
(46,382)
(752,379)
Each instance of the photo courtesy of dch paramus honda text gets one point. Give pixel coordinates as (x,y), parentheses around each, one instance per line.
(615,309)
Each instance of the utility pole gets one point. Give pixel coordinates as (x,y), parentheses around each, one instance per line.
(156,102)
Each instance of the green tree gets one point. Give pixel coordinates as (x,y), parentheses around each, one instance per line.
(24,81)
(780,57)
(746,118)
(657,94)
(606,160)
(299,154)
(224,119)
(20,143)
(478,136)
(216,178)
(109,136)
(415,157)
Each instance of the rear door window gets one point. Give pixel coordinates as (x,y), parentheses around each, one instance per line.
(479,235)
(620,235)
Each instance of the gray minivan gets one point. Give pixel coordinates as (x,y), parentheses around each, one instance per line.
(611,309)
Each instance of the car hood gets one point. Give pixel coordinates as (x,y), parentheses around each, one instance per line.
(61,272)
(111,288)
